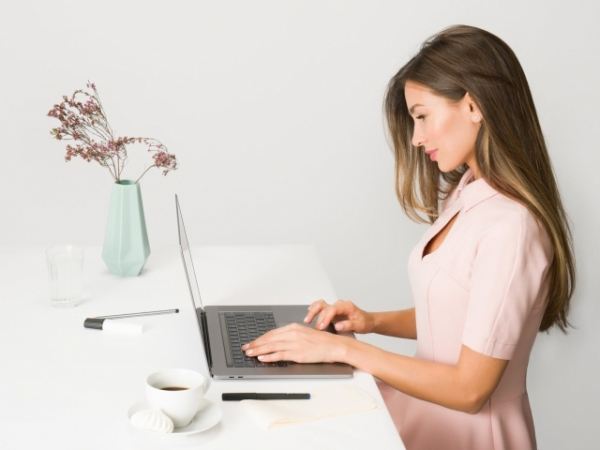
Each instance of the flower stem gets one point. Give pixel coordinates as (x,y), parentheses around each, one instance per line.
(153,165)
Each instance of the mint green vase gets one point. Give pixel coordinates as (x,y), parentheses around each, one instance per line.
(126,246)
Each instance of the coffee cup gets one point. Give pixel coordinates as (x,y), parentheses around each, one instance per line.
(177,393)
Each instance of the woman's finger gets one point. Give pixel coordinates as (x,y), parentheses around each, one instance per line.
(339,308)
(274,335)
(314,309)
(261,340)
(325,318)
(274,357)
(344,325)
(264,349)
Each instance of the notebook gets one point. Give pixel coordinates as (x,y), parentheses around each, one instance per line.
(224,329)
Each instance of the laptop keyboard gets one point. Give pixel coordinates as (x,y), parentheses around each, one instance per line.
(241,328)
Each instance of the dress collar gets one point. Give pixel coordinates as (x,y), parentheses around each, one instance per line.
(473,191)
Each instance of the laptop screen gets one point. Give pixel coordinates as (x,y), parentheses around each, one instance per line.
(187,260)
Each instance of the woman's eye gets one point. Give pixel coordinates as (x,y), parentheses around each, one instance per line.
(421,117)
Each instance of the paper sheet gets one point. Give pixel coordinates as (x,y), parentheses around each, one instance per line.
(325,403)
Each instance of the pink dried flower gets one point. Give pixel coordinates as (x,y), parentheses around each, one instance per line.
(83,120)
(165,160)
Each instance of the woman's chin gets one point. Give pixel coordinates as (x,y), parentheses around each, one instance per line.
(445,167)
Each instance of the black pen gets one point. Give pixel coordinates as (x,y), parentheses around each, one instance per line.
(234,397)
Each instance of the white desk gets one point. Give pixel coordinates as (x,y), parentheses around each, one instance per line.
(66,387)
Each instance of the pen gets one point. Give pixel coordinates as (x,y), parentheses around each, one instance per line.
(233,397)
(148,313)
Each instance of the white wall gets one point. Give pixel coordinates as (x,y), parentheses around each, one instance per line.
(274,110)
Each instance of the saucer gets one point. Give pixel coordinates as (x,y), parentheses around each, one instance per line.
(207,417)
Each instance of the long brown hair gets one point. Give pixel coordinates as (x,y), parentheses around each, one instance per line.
(510,150)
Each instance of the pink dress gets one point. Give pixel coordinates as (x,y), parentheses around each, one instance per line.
(484,287)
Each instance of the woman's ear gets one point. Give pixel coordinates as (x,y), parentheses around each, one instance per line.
(473,110)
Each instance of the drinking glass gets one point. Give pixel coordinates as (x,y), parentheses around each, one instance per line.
(65,269)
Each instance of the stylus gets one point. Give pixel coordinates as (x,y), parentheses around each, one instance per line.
(149,313)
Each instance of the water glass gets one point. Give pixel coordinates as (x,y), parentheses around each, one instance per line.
(65,268)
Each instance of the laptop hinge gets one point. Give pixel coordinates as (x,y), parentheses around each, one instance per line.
(205,340)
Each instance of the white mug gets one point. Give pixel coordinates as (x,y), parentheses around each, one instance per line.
(181,405)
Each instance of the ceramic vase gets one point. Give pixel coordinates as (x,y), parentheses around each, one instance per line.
(126,246)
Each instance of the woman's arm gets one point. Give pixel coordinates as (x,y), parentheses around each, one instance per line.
(348,317)
(400,324)
(465,386)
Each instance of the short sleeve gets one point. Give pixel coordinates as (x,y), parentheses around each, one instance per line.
(510,266)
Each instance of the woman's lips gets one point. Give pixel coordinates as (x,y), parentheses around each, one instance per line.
(432,153)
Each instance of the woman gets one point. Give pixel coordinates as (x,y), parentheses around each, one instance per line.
(495,267)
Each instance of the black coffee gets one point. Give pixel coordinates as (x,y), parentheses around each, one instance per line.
(173,388)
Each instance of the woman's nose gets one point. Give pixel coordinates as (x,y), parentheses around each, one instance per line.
(417,138)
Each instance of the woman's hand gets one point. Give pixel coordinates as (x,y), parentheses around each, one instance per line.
(343,313)
(297,343)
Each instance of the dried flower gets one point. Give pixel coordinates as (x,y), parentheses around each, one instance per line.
(83,120)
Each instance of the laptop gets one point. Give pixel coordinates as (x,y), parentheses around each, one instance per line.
(224,329)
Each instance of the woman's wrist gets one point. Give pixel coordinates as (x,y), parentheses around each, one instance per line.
(358,354)
(343,349)
(395,323)
(375,322)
